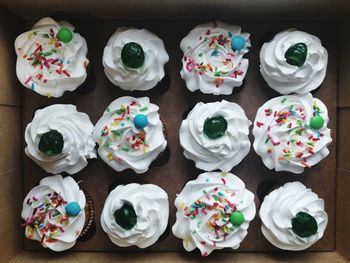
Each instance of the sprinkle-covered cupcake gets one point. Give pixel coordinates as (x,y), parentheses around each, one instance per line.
(130,134)
(213,212)
(57,212)
(59,139)
(135,215)
(51,58)
(213,58)
(291,133)
(293,217)
(215,135)
(134,59)
(293,62)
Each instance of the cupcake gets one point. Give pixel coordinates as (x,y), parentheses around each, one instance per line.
(135,215)
(215,135)
(57,212)
(130,134)
(134,59)
(213,58)
(213,212)
(59,139)
(293,217)
(290,133)
(51,58)
(293,62)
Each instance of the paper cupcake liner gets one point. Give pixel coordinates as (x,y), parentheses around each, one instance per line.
(89,212)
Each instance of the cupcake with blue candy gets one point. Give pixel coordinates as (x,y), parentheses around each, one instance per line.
(130,134)
(213,58)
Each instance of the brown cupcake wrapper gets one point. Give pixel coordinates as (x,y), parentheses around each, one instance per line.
(162,154)
(89,213)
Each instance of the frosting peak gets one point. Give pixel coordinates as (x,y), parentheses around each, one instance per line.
(280,210)
(290,132)
(49,64)
(64,122)
(293,62)
(213,58)
(213,212)
(149,203)
(44,210)
(130,134)
(134,59)
(215,135)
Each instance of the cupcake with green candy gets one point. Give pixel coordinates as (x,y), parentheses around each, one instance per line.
(293,217)
(134,59)
(213,212)
(51,58)
(135,215)
(59,139)
(57,213)
(293,62)
(130,134)
(291,133)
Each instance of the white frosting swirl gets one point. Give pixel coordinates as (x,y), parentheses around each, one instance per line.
(209,63)
(203,210)
(151,206)
(124,146)
(286,78)
(222,153)
(283,136)
(76,129)
(47,65)
(152,70)
(281,206)
(45,214)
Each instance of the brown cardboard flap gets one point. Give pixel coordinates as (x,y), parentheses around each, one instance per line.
(10,207)
(343,155)
(10,138)
(10,87)
(343,213)
(200,9)
(344,68)
(320,257)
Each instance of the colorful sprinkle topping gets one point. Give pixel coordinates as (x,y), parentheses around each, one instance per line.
(49,217)
(126,132)
(216,211)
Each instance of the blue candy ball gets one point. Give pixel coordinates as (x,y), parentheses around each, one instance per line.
(73,209)
(237,43)
(140,121)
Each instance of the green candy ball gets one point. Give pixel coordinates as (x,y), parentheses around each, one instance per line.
(316,122)
(133,55)
(51,143)
(65,35)
(296,54)
(125,216)
(215,127)
(304,225)
(237,218)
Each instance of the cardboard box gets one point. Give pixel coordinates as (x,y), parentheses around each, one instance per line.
(13,17)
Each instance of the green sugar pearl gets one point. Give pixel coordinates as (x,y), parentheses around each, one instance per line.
(296,54)
(215,127)
(125,216)
(237,218)
(133,55)
(51,143)
(304,225)
(316,122)
(65,35)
